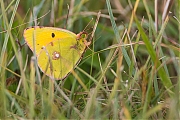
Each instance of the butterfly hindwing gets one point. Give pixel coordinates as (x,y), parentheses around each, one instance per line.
(60,56)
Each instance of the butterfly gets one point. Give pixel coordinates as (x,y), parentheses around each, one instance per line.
(58,51)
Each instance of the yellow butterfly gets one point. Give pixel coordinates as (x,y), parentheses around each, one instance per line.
(58,50)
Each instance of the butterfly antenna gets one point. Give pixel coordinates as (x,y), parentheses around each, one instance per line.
(94,29)
(89,29)
(65,26)
(87,25)
(95,26)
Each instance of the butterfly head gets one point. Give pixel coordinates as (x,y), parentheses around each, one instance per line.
(81,35)
(82,43)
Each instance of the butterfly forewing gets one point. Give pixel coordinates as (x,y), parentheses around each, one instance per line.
(41,36)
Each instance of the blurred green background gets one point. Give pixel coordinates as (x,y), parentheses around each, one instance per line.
(131,70)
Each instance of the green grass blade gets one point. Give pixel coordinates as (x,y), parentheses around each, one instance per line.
(161,72)
(116,32)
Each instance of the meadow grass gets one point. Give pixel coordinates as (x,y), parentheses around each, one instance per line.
(130,71)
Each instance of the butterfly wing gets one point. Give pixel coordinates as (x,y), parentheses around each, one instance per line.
(60,56)
(40,36)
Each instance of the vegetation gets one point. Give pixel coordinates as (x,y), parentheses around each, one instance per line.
(131,70)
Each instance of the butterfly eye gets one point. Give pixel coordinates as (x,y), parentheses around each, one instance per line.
(81,35)
(53,35)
